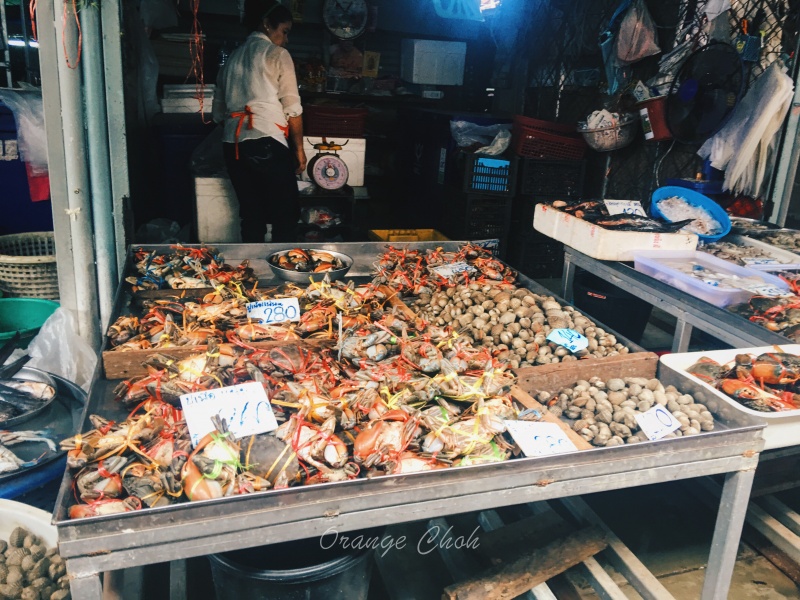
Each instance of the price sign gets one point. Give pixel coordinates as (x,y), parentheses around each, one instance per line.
(447,271)
(274,311)
(761,261)
(245,408)
(540,439)
(657,422)
(769,290)
(625,207)
(569,338)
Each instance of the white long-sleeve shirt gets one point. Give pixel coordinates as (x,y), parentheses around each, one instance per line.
(260,75)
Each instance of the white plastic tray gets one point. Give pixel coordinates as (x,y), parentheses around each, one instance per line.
(16,514)
(783,428)
(605,244)
(654,264)
(792,260)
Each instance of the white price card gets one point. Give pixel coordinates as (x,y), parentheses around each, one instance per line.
(625,207)
(278,310)
(761,261)
(245,408)
(569,338)
(657,422)
(768,290)
(451,269)
(536,438)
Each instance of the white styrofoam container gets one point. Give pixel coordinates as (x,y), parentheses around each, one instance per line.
(433,62)
(217,211)
(783,428)
(604,244)
(352,154)
(654,264)
(791,260)
(16,514)
(180,98)
(186,90)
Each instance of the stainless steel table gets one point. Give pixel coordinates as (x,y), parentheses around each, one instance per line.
(689,311)
(95,545)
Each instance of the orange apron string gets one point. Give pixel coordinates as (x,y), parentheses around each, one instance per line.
(242,115)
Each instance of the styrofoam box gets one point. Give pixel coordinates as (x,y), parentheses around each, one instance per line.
(791,260)
(783,428)
(179,98)
(217,211)
(605,244)
(352,154)
(655,265)
(433,62)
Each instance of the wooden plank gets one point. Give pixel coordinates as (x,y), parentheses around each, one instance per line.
(525,399)
(553,377)
(772,553)
(531,532)
(509,580)
(124,365)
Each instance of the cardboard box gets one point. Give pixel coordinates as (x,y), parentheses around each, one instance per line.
(433,62)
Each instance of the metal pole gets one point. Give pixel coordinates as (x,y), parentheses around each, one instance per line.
(78,191)
(26,50)
(99,165)
(115,113)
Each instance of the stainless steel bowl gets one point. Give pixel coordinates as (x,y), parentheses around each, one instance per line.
(305,277)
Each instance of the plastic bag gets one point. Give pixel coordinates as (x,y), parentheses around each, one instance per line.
(499,144)
(207,159)
(617,74)
(467,134)
(58,349)
(320,216)
(31,137)
(637,35)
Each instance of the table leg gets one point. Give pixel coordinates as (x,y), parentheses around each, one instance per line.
(567,278)
(682,337)
(85,586)
(177,580)
(727,532)
(113,585)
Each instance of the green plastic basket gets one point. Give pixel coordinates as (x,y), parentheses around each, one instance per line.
(26,315)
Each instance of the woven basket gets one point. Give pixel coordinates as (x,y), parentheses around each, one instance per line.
(28,265)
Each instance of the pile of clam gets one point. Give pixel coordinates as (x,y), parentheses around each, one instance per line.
(514,323)
(31,571)
(604,413)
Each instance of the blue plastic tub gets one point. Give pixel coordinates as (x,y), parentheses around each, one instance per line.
(695,199)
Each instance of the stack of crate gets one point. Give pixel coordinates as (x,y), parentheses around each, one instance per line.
(535,254)
(481,207)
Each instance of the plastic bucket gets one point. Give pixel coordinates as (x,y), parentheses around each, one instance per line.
(654,120)
(298,570)
(26,315)
(611,306)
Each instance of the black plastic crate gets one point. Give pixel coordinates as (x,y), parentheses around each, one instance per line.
(484,215)
(562,178)
(537,256)
(490,175)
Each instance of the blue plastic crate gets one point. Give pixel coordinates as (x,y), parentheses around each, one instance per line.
(490,175)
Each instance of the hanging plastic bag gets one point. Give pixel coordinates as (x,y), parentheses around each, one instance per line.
(637,35)
(58,349)
(29,114)
(617,74)
(468,134)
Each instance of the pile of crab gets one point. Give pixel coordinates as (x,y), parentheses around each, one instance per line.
(781,315)
(395,397)
(184,267)
(170,322)
(416,272)
(766,383)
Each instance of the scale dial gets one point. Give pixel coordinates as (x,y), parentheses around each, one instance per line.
(346,19)
(328,171)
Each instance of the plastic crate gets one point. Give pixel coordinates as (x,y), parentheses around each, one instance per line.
(490,175)
(28,265)
(532,138)
(330,121)
(487,217)
(407,235)
(552,177)
(538,257)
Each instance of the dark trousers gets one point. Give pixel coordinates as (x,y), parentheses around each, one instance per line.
(266,187)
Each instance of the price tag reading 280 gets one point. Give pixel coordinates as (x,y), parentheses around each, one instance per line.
(274,311)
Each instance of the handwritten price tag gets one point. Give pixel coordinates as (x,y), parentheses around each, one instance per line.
(625,207)
(447,271)
(569,338)
(769,290)
(761,261)
(274,311)
(540,439)
(245,408)
(657,422)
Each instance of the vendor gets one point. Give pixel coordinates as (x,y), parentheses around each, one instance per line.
(258,102)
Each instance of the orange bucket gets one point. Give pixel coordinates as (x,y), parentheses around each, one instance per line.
(654,120)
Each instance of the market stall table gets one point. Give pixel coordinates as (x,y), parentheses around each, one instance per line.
(690,311)
(98,544)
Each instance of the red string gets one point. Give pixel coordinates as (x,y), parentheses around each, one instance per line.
(196,45)
(64,36)
(32,13)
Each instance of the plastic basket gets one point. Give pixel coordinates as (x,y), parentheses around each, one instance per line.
(28,265)
(336,121)
(487,217)
(532,138)
(490,175)
(613,137)
(552,177)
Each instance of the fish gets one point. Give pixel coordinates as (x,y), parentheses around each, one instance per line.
(9,461)
(36,389)
(625,222)
(20,400)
